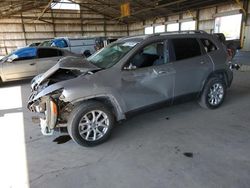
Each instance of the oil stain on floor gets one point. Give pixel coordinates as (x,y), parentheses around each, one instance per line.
(188,154)
(62,139)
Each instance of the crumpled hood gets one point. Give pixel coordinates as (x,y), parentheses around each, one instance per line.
(66,63)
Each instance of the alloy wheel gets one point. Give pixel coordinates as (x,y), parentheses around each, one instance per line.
(216,94)
(93,125)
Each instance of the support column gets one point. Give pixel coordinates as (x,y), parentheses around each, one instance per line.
(24,32)
(81,20)
(197,19)
(127,29)
(53,22)
(105,27)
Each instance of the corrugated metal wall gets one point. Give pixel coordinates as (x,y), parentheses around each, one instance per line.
(21,30)
(205,19)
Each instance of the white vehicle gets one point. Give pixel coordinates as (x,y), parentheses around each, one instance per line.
(30,61)
(83,46)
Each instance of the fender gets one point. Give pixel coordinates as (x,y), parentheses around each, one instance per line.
(109,100)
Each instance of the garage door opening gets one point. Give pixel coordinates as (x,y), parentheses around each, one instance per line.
(149,30)
(159,28)
(230,26)
(173,27)
(185,26)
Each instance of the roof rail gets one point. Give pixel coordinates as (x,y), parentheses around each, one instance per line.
(128,37)
(166,33)
(186,32)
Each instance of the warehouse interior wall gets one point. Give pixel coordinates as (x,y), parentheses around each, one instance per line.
(204,18)
(33,26)
(23,29)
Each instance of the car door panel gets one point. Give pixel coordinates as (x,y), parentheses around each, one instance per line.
(191,64)
(146,86)
(190,74)
(20,64)
(19,69)
(47,58)
(44,64)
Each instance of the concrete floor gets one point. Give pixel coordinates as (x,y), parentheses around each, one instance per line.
(178,146)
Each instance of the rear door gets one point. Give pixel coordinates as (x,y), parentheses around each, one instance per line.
(22,66)
(47,58)
(192,65)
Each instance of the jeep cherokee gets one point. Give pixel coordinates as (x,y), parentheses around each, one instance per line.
(87,96)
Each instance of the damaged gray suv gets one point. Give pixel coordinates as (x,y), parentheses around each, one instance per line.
(88,96)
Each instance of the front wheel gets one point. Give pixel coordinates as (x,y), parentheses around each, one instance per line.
(213,93)
(90,123)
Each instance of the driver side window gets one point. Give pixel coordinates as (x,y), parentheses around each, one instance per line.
(151,55)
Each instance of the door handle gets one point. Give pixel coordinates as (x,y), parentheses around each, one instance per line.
(202,62)
(32,64)
(162,72)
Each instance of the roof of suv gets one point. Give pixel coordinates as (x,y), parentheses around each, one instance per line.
(143,37)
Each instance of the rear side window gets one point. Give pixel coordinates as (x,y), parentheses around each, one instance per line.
(184,48)
(43,53)
(208,45)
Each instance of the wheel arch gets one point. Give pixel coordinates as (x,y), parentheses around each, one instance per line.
(222,74)
(107,100)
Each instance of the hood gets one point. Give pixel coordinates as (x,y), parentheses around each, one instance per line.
(66,63)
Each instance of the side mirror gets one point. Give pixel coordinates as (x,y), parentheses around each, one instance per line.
(11,58)
(129,67)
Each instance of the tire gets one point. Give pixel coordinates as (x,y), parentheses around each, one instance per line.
(213,93)
(88,130)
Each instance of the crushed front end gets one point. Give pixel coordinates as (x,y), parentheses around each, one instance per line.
(47,100)
(51,110)
(47,111)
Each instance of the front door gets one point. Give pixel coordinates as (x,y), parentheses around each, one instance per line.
(147,78)
(22,66)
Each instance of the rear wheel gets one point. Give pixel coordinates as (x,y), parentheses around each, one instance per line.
(90,123)
(213,93)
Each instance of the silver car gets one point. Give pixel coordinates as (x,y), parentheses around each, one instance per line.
(88,96)
(29,61)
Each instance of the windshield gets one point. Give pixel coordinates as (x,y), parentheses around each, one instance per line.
(21,54)
(110,55)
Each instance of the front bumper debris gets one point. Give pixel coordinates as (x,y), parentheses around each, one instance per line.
(47,110)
